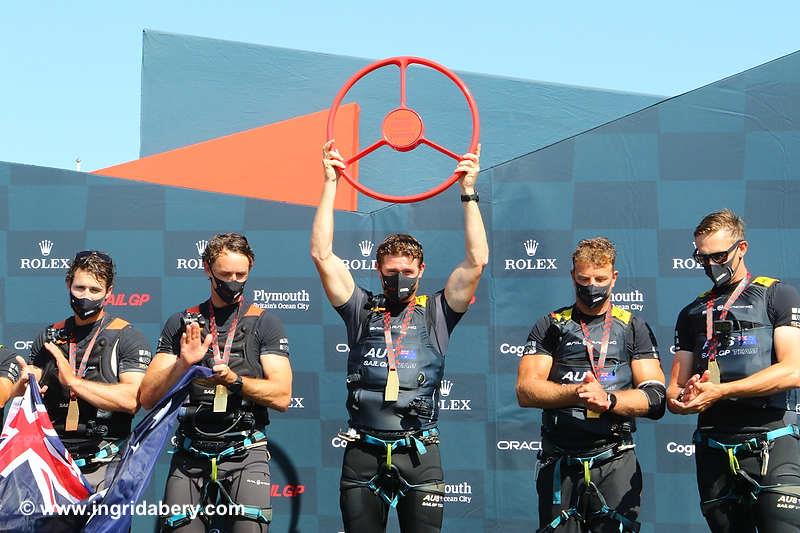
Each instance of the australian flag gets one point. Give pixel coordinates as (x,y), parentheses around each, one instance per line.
(139,457)
(37,473)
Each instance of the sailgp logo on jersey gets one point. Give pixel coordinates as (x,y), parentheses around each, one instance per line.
(45,262)
(365,248)
(531,248)
(193,263)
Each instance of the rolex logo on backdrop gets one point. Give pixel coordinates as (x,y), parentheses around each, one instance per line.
(364,262)
(446,403)
(44,262)
(531,247)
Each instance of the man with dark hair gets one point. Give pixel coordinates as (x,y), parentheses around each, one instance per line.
(222,456)
(398,340)
(92,364)
(737,364)
(593,368)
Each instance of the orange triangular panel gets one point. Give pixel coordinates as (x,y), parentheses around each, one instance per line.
(279,161)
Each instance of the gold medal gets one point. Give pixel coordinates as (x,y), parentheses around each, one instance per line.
(220,399)
(72,416)
(392,390)
(714,375)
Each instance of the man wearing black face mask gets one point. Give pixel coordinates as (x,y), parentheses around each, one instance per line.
(222,456)
(737,364)
(398,340)
(593,368)
(92,364)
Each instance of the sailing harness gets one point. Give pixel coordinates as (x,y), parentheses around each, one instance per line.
(387,483)
(196,448)
(580,511)
(746,490)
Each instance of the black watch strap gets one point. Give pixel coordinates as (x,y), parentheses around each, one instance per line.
(612,400)
(236,386)
(470,197)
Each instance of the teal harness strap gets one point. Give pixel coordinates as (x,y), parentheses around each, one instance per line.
(389,474)
(750,445)
(257,514)
(625,523)
(109,450)
(406,442)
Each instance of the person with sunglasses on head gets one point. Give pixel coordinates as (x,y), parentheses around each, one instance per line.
(737,364)
(593,368)
(221,458)
(90,366)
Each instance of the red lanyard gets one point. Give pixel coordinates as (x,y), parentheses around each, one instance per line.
(597,368)
(393,349)
(713,343)
(73,352)
(222,359)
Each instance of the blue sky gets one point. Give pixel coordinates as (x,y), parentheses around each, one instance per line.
(70,79)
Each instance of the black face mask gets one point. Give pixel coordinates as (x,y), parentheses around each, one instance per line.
(720,274)
(84,307)
(398,287)
(229,291)
(592,295)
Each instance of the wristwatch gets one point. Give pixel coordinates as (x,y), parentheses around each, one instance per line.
(236,386)
(612,400)
(470,197)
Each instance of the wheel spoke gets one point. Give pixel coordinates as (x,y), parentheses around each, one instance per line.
(440,148)
(369,149)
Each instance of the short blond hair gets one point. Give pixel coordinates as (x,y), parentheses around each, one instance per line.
(399,244)
(721,220)
(598,251)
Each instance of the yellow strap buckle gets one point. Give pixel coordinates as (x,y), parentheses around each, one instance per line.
(587,476)
(733,461)
(388,455)
(213,469)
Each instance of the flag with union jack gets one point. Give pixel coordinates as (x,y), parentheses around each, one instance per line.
(37,473)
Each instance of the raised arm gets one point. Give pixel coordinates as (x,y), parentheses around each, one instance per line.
(334,274)
(463,281)
(167,368)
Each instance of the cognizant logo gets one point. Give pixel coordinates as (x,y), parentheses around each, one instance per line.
(684,449)
(512,349)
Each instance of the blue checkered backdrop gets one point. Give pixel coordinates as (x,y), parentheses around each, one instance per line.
(643,180)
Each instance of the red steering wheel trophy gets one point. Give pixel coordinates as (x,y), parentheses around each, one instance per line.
(402,127)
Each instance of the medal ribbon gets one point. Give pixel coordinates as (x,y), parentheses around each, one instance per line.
(393,349)
(713,343)
(601,361)
(222,359)
(73,352)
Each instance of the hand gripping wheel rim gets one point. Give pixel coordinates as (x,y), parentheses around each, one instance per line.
(403,129)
